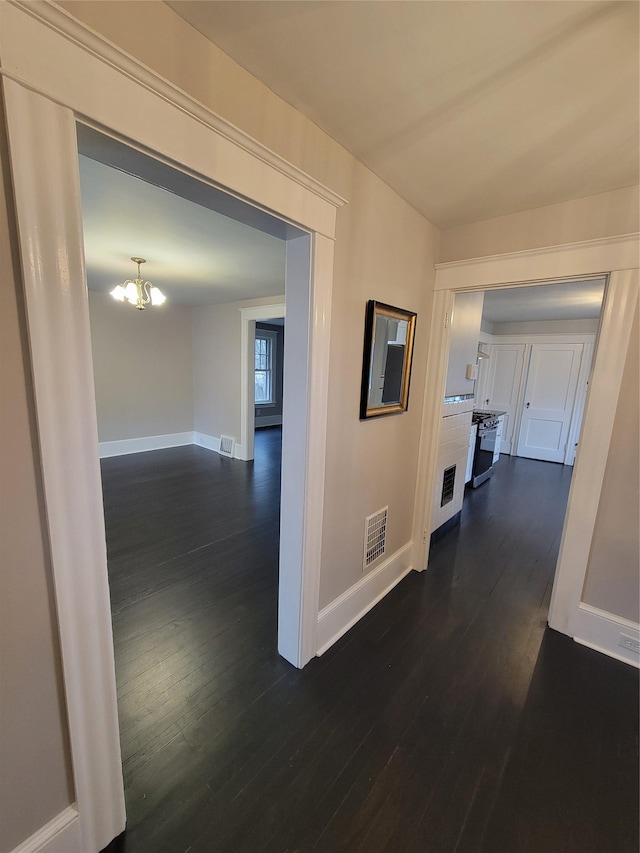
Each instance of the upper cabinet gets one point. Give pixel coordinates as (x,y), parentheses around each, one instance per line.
(463,347)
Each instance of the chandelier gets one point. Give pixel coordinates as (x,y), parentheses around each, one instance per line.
(138,292)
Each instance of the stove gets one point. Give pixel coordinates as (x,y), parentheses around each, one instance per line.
(488,423)
(486,420)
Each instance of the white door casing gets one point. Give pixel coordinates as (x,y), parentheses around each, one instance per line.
(43,98)
(549,396)
(580,401)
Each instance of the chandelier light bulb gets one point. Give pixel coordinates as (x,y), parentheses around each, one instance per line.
(137,291)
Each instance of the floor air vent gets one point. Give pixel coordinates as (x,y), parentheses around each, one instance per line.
(375,536)
(448,482)
(227,445)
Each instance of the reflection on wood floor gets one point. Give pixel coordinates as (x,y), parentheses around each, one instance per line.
(449,719)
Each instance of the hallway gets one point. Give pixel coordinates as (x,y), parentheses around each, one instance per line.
(449,719)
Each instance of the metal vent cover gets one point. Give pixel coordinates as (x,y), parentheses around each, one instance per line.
(448,484)
(227,445)
(375,536)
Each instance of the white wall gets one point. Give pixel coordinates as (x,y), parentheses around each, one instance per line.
(142,362)
(384,251)
(603,215)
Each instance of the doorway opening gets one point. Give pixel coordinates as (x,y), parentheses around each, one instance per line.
(294,270)
(568,612)
(518,364)
(535,353)
(192,537)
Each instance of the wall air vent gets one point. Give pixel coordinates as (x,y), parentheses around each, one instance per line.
(227,445)
(448,482)
(375,536)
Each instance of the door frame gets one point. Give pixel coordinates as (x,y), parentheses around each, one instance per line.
(250,316)
(616,259)
(43,101)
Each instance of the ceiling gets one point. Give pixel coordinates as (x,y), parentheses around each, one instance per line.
(195,255)
(574,300)
(469,109)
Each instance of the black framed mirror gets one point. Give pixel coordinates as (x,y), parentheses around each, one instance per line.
(386,363)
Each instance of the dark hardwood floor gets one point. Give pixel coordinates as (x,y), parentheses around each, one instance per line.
(449,720)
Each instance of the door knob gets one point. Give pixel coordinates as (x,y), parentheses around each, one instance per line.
(527,406)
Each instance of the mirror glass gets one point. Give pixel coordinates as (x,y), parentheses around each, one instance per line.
(387,360)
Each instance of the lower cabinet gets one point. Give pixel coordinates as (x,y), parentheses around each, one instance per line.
(472,448)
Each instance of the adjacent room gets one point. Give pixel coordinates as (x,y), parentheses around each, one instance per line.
(518,371)
(191,515)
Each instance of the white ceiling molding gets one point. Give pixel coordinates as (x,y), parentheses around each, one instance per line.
(569,261)
(63,23)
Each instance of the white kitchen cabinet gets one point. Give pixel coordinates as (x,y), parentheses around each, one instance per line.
(472,447)
(496,452)
(504,386)
(463,342)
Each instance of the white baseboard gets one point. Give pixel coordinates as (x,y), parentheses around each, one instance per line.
(211,442)
(268,420)
(336,618)
(161,442)
(148,442)
(60,835)
(601,631)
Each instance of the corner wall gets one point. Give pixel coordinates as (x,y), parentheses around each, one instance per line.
(217,342)
(142,365)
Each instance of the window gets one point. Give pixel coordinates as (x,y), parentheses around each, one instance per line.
(265,347)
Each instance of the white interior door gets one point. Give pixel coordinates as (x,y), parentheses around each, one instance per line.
(549,396)
(506,367)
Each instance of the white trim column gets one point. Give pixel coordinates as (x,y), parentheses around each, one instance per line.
(304,430)
(47,194)
(620,300)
